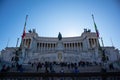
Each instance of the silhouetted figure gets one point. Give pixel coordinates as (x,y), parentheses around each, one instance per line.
(111,66)
(103,70)
(46,71)
(8,68)
(76,70)
(20,68)
(4,68)
(62,71)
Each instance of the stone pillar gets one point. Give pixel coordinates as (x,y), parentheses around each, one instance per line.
(55,46)
(77,46)
(41,47)
(90,42)
(95,42)
(47,46)
(51,46)
(38,46)
(44,46)
(71,46)
(68,46)
(81,46)
(65,46)
(74,46)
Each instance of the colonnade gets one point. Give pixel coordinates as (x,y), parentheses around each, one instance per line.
(67,45)
(73,46)
(27,42)
(52,46)
(93,42)
(46,46)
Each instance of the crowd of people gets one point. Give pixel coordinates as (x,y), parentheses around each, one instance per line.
(49,66)
(52,67)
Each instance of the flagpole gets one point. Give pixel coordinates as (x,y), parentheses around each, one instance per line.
(93,18)
(111,42)
(25,22)
(99,48)
(97,32)
(102,42)
(24,33)
(17,42)
(7,42)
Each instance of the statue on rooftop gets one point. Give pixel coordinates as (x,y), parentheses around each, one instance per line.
(59,36)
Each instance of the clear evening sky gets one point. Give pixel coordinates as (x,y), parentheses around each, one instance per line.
(49,17)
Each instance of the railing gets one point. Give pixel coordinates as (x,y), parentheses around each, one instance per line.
(60,76)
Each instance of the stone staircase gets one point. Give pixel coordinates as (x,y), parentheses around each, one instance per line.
(57,68)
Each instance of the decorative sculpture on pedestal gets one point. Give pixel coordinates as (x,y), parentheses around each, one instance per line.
(59,43)
(60,48)
(59,36)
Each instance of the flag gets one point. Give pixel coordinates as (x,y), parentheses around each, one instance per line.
(97,32)
(24,33)
(102,51)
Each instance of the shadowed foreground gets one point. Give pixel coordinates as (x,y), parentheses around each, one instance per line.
(60,76)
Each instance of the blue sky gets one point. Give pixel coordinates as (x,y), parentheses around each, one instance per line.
(49,17)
